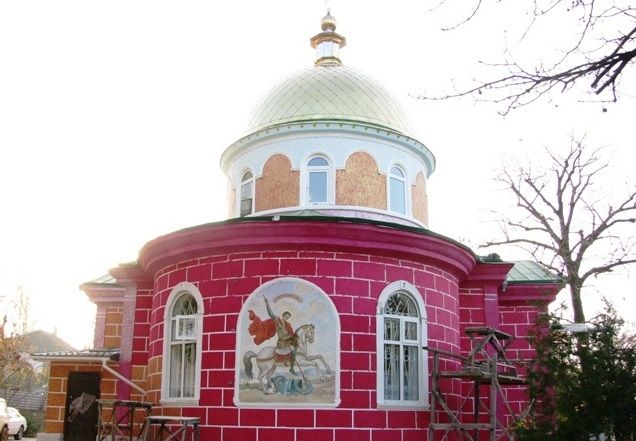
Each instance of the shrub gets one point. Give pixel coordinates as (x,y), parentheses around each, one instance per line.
(34,422)
(583,384)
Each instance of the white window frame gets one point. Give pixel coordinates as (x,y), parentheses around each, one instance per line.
(187,323)
(307,170)
(175,294)
(407,188)
(239,194)
(414,294)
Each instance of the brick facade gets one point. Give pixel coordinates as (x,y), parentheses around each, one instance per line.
(360,183)
(352,263)
(58,382)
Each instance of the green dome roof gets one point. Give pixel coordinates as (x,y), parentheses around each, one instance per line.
(330,92)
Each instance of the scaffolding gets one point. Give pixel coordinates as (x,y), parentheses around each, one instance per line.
(491,417)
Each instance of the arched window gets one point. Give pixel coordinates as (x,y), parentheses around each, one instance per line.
(182,344)
(401,329)
(247,194)
(397,190)
(318,180)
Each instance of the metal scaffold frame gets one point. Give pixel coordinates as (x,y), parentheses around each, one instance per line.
(485,365)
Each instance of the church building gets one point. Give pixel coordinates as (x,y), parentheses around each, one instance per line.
(323,308)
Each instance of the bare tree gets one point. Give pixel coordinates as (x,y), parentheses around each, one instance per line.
(604,48)
(566,222)
(17,372)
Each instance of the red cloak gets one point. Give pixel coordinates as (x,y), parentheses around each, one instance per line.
(263,330)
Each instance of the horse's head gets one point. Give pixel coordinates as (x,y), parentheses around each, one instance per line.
(311,333)
(307,332)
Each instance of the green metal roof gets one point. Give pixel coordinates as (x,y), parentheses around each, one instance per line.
(333,92)
(527,271)
(105,279)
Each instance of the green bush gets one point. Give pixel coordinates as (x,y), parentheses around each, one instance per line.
(34,422)
(583,384)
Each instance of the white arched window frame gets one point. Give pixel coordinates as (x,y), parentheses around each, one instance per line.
(402,368)
(398,190)
(182,337)
(318,181)
(245,195)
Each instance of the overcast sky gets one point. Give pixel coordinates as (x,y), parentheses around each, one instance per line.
(113,116)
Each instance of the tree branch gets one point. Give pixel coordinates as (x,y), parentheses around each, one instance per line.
(520,86)
(551,207)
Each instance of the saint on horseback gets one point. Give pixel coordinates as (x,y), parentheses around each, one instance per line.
(290,349)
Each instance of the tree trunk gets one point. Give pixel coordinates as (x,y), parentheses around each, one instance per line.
(577,304)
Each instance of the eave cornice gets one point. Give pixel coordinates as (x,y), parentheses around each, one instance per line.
(541,293)
(334,235)
(326,127)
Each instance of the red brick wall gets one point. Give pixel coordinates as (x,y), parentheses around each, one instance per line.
(517,319)
(514,318)
(354,283)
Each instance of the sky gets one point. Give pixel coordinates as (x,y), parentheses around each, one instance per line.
(113,117)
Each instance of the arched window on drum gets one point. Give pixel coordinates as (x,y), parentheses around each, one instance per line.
(318,181)
(246,197)
(397,190)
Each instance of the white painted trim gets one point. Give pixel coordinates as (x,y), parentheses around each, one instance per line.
(324,130)
(415,294)
(410,221)
(261,166)
(181,288)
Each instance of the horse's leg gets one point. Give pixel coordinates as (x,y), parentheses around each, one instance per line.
(322,359)
(266,367)
(265,371)
(268,375)
(307,362)
(260,378)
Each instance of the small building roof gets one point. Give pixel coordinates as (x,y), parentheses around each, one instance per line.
(105,279)
(42,341)
(527,271)
(85,355)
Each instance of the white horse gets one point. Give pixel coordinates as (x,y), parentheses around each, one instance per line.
(265,359)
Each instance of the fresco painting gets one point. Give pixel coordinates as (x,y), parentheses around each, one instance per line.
(288,347)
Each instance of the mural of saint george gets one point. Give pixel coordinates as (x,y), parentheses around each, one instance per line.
(288,347)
